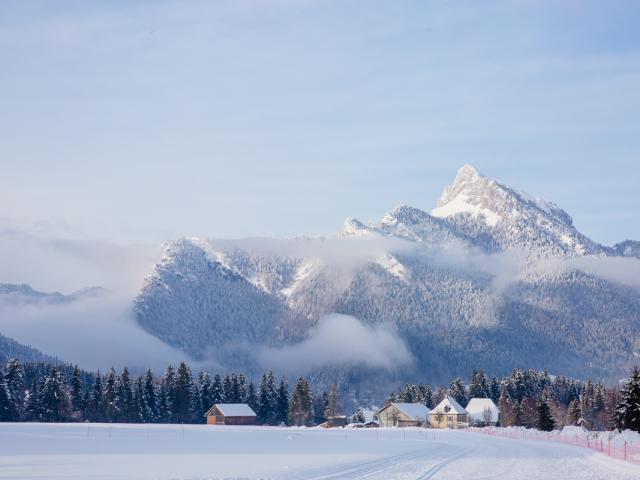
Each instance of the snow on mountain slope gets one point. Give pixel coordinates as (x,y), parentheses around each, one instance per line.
(468,285)
(23,294)
(476,203)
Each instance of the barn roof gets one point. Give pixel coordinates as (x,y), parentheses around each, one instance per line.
(235,409)
(449,400)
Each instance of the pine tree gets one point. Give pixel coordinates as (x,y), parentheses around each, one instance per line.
(494,390)
(8,412)
(183,391)
(149,401)
(301,406)
(227,390)
(77,403)
(282,403)
(54,398)
(33,408)
(544,420)
(196,404)
(217,391)
(628,409)
(110,396)
(574,414)
(141,414)
(124,397)
(458,392)
(334,407)
(427,396)
(242,388)
(14,381)
(95,407)
(252,398)
(320,403)
(266,400)
(166,397)
(204,386)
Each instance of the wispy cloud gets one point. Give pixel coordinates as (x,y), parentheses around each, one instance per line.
(340,340)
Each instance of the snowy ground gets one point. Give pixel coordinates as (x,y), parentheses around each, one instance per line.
(78,451)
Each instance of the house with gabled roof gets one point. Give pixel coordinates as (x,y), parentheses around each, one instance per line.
(449,414)
(482,412)
(402,415)
(231,414)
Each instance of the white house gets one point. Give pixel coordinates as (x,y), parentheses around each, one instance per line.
(482,411)
(449,414)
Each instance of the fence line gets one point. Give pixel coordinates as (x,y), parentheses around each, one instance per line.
(620,449)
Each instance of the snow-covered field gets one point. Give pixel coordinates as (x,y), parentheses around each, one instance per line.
(81,451)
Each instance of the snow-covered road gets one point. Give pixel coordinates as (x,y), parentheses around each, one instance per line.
(80,451)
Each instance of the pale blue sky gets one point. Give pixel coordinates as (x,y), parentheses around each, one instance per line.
(149,120)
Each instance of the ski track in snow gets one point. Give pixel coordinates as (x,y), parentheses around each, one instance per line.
(199,452)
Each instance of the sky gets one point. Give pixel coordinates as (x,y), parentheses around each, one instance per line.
(142,121)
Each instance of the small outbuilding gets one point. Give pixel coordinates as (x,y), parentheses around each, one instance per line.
(449,414)
(231,414)
(402,415)
(483,412)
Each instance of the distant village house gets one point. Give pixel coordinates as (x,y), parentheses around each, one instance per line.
(449,414)
(231,414)
(402,415)
(483,412)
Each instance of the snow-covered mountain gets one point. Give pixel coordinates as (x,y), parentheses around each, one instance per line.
(489,279)
(23,294)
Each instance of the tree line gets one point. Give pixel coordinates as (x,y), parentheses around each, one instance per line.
(534,399)
(60,393)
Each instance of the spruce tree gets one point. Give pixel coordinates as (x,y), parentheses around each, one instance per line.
(124,398)
(227,390)
(167,395)
(8,412)
(183,391)
(141,413)
(458,392)
(628,409)
(14,380)
(252,398)
(544,420)
(54,398)
(110,396)
(149,401)
(574,414)
(301,405)
(494,390)
(217,391)
(282,404)
(334,407)
(320,403)
(33,408)
(204,387)
(266,401)
(242,388)
(95,406)
(75,391)
(427,396)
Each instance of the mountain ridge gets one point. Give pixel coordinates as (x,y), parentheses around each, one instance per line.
(434,278)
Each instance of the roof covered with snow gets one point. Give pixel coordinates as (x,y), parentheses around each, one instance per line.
(417,411)
(454,406)
(235,409)
(477,407)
